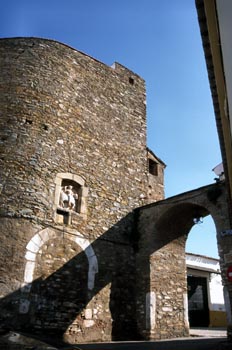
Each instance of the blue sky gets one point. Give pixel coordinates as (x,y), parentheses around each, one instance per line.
(160,41)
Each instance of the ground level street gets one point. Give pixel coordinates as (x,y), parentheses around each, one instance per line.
(209,339)
(181,344)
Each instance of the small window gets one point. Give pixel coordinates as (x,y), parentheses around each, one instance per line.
(153,167)
(131,81)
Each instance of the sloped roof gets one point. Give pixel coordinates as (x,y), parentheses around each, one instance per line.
(155,156)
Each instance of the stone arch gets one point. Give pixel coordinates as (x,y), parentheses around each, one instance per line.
(162,230)
(178,220)
(40,238)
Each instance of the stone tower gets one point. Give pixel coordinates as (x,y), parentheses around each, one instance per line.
(74,165)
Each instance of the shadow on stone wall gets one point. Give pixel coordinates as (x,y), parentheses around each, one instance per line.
(62,297)
(123,284)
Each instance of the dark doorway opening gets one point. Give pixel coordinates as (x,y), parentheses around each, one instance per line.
(198,301)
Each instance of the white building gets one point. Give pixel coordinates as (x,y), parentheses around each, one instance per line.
(205,292)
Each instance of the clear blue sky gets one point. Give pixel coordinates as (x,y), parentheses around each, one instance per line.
(160,41)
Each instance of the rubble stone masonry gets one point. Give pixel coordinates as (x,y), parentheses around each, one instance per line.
(69,122)
(89,249)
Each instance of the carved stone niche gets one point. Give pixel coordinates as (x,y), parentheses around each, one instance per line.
(70,198)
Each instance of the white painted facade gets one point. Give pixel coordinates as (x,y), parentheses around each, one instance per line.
(224,12)
(202,266)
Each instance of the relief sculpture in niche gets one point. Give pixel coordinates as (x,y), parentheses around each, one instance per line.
(68,198)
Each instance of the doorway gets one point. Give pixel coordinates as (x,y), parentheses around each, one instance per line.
(198,301)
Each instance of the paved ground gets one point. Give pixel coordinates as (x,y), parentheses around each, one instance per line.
(208,332)
(202,339)
(180,344)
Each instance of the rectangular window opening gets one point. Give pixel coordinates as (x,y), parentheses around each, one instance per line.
(153,167)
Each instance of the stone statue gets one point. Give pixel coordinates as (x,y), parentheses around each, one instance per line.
(68,197)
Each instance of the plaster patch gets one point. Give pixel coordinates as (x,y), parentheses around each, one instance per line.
(185,303)
(150,310)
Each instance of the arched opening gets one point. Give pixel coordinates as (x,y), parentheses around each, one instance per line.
(163,284)
(206,307)
(202,238)
(163,229)
(60,285)
(59,277)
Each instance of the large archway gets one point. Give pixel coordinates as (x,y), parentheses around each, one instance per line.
(163,228)
(204,232)
(206,305)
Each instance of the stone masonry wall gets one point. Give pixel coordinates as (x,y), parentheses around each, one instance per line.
(163,229)
(64,112)
(155,178)
(68,117)
(81,256)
